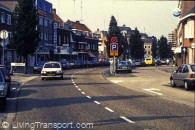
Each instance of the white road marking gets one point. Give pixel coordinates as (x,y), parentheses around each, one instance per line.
(73,82)
(116,81)
(79,89)
(97,102)
(83,92)
(88,97)
(110,110)
(152,90)
(76,86)
(126,119)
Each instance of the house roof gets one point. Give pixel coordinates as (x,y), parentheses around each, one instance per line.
(11,4)
(56,18)
(78,25)
(4,7)
(191,11)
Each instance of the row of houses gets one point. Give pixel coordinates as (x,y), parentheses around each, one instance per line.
(70,40)
(183,37)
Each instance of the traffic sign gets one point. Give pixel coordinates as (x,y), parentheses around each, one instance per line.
(114,49)
(114,39)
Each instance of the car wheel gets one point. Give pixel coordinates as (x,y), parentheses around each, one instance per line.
(172,83)
(3,104)
(186,85)
(61,77)
(42,78)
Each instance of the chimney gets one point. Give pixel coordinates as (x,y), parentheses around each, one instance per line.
(54,10)
(98,29)
(77,21)
(124,25)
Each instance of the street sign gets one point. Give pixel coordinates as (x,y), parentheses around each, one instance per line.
(114,39)
(184,50)
(114,49)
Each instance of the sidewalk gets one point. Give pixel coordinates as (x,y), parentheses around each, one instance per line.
(168,69)
(18,79)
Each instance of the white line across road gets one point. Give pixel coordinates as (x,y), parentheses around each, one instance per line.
(152,90)
(83,93)
(88,97)
(110,110)
(126,119)
(79,89)
(97,102)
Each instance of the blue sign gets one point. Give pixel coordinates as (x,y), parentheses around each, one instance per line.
(114,47)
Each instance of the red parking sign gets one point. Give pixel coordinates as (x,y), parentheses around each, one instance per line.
(114,39)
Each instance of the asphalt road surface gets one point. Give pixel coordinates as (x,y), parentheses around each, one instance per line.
(84,99)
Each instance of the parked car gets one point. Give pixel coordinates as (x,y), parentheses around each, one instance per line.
(65,65)
(123,66)
(139,62)
(7,75)
(52,70)
(132,63)
(149,61)
(3,92)
(38,67)
(184,76)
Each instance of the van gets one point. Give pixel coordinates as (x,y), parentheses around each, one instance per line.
(148,61)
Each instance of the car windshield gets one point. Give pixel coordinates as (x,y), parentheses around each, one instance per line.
(122,63)
(1,77)
(52,65)
(193,68)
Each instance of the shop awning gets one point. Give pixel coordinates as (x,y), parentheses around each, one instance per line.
(91,55)
(177,50)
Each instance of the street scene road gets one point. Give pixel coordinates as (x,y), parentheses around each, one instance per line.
(93,99)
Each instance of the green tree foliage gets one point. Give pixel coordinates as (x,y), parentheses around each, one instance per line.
(136,45)
(115,31)
(24,29)
(154,47)
(164,48)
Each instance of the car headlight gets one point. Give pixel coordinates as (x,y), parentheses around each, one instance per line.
(59,72)
(35,68)
(43,72)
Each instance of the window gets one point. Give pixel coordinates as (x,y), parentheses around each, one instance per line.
(185,69)
(180,69)
(64,39)
(46,36)
(40,21)
(45,22)
(59,40)
(9,36)
(148,46)
(2,17)
(145,46)
(50,37)
(9,19)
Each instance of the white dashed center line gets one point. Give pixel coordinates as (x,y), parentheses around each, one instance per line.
(79,89)
(88,97)
(97,102)
(110,110)
(83,92)
(126,119)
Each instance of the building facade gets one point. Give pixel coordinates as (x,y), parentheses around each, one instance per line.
(6,52)
(185,47)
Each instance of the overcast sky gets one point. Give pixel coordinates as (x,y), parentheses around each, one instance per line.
(152,17)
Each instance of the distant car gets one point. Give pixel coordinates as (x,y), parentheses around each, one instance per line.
(149,61)
(139,62)
(65,65)
(132,63)
(123,66)
(38,67)
(7,75)
(52,70)
(184,76)
(3,92)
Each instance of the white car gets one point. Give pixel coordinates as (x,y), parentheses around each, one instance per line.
(52,70)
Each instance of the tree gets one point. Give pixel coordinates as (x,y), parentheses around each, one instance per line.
(154,47)
(136,45)
(115,31)
(24,29)
(164,48)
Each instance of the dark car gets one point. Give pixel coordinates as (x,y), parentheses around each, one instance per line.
(39,66)
(7,76)
(123,66)
(3,91)
(65,65)
(184,76)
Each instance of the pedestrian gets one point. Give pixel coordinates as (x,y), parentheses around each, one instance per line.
(167,61)
(156,62)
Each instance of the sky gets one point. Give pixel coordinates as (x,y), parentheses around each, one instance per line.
(153,17)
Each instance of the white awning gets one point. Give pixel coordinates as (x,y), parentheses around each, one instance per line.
(177,50)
